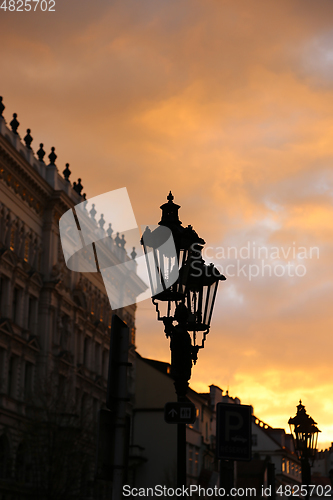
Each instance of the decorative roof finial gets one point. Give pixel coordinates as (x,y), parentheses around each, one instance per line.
(117,240)
(14,124)
(2,107)
(101,221)
(93,212)
(41,152)
(133,254)
(28,139)
(79,186)
(170,197)
(109,231)
(66,172)
(52,156)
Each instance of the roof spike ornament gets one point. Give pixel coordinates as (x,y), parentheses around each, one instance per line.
(41,153)
(117,240)
(133,254)
(93,212)
(52,156)
(2,107)
(109,231)
(101,221)
(14,124)
(79,186)
(28,139)
(66,173)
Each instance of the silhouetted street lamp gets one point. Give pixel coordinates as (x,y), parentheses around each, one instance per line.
(184,291)
(305,435)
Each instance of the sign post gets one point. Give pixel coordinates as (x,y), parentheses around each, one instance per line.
(233,439)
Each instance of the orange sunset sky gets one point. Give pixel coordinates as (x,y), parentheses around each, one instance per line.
(228,103)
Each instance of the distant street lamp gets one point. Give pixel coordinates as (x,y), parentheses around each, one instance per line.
(305,435)
(187,297)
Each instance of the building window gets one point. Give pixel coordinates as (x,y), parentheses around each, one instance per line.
(288,467)
(26,250)
(12,376)
(196,462)
(32,312)
(92,309)
(2,369)
(105,364)
(1,294)
(85,407)
(16,305)
(62,387)
(283,465)
(190,460)
(4,296)
(86,352)
(64,332)
(12,239)
(196,423)
(28,380)
(133,336)
(4,457)
(77,398)
(97,358)
(208,463)
(95,409)
(101,312)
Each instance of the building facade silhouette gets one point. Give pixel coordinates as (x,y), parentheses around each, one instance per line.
(54,323)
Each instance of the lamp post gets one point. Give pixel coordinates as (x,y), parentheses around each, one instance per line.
(305,434)
(185,288)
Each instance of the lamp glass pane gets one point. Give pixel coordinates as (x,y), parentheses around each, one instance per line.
(161,259)
(208,296)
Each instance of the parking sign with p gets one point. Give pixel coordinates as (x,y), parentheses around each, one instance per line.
(233,431)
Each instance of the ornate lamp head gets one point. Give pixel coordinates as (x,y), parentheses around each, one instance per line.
(178,274)
(305,433)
